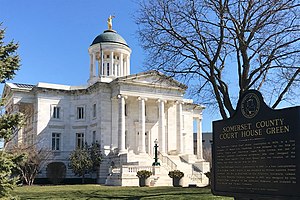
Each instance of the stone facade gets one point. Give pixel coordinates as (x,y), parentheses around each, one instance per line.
(124,113)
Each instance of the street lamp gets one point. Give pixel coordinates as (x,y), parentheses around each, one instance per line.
(156,163)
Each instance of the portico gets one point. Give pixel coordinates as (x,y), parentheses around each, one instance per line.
(147,121)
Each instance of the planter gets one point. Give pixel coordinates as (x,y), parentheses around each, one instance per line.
(176,176)
(144,179)
(177,182)
(144,182)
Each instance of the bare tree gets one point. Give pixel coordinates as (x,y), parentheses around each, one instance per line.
(222,48)
(34,156)
(207,155)
(33,162)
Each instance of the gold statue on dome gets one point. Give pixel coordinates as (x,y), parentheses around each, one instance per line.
(109,22)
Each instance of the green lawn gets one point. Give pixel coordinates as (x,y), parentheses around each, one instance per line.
(108,192)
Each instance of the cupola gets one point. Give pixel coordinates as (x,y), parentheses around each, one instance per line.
(109,56)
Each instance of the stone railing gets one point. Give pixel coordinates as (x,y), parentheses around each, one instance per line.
(170,164)
(197,175)
(133,169)
(130,170)
(126,174)
(195,178)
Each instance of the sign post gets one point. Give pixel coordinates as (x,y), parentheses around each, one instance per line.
(256,152)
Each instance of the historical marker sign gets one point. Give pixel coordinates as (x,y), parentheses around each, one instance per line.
(256,152)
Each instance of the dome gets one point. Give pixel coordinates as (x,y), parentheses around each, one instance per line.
(109,36)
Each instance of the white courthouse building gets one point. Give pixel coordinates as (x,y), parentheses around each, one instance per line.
(124,112)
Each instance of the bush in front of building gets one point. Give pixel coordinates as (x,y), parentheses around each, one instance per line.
(85,160)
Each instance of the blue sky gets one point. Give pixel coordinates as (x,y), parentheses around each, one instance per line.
(54,36)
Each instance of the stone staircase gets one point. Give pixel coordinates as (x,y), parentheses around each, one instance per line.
(191,175)
(126,166)
(161,180)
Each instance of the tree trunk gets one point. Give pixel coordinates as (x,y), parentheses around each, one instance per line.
(82,180)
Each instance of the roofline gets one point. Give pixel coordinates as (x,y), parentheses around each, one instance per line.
(181,85)
(114,42)
(110,31)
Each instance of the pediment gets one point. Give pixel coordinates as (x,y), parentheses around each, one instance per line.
(154,79)
(10,87)
(6,91)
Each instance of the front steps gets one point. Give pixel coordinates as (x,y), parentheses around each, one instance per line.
(124,173)
(193,175)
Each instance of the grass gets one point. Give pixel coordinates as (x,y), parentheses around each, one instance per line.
(109,192)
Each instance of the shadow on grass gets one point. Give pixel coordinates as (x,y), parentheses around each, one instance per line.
(153,194)
(105,192)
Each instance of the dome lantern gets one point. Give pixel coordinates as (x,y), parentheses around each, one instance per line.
(109,56)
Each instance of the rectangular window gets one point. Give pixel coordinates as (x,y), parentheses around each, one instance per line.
(80,112)
(79,140)
(55,141)
(94,110)
(126,110)
(56,112)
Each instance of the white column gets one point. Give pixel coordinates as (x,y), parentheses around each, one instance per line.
(161,126)
(128,65)
(115,71)
(111,65)
(199,139)
(142,124)
(104,65)
(100,64)
(124,67)
(179,127)
(121,65)
(92,66)
(121,124)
